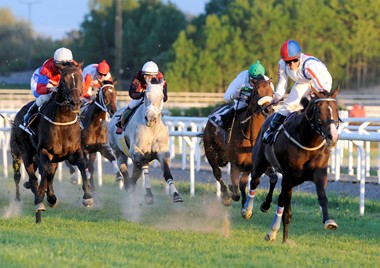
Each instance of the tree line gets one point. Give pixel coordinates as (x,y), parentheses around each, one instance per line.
(205,52)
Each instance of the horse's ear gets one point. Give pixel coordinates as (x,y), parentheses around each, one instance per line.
(114,82)
(80,65)
(335,92)
(315,91)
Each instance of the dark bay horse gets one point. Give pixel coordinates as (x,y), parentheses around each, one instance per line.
(301,153)
(57,139)
(238,150)
(144,139)
(94,135)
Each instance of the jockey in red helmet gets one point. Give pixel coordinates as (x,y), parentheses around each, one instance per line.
(92,75)
(306,71)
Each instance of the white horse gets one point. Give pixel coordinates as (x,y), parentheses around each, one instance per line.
(144,138)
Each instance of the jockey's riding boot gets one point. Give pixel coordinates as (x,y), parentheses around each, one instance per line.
(119,130)
(31,111)
(277,120)
(227,118)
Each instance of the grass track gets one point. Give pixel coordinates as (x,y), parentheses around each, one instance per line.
(120,231)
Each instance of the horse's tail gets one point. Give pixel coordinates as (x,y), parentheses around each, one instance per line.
(200,134)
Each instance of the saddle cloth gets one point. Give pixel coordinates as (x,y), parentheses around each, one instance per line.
(216,116)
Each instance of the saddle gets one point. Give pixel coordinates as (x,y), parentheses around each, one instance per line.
(127,115)
(269,149)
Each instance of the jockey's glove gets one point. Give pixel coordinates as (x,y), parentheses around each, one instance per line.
(53,89)
(276,99)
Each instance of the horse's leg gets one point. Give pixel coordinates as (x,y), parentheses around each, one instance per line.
(258,168)
(50,196)
(235,174)
(283,213)
(164,159)
(16,165)
(122,161)
(107,152)
(243,186)
(320,180)
(73,173)
(273,178)
(212,158)
(90,167)
(78,160)
(148,188)
(136,174)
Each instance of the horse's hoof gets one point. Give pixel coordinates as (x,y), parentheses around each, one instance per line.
(88,202)
(27,185)
(235,197)
(119,176)
(39,207)
(331,225)
(246,214)
(52,202)
(148,199)
(177,198)
(264,208)
(271,236)
(226,202)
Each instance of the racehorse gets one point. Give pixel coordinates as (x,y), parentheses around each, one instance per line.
(301,152)
(94,135)
(238,150)
(57,138)
(144,139)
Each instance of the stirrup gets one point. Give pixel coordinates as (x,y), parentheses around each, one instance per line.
(25,129)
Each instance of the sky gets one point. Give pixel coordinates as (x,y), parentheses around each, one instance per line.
(55,18)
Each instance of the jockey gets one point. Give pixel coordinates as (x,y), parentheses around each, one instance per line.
(45,81)
(245,79)
(93,74)
(138,86)
(306,71)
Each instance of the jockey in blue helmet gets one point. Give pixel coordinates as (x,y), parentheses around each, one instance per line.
(306,71)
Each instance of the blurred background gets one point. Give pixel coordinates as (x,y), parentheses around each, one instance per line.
(200,45)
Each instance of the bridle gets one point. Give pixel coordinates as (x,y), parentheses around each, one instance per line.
(100,101)
(257,109)
(317,123)
(67,99)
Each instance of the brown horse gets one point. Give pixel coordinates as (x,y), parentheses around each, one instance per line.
(57,139)
(94,135)
(301,152)
(238,150)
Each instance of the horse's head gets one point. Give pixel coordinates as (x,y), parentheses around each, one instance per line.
(261,96)
(70,87)
(323,114)
(153,101)
(106,97)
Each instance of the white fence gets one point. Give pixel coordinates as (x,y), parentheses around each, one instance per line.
(185,144)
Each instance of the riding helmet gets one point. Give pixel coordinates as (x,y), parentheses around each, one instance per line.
(290,50)
(63,55)
(103,67)
(256,69)
(150,68)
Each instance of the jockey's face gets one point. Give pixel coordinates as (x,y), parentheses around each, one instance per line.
(101,76)
(293,64)
(252,81)
(147,78)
